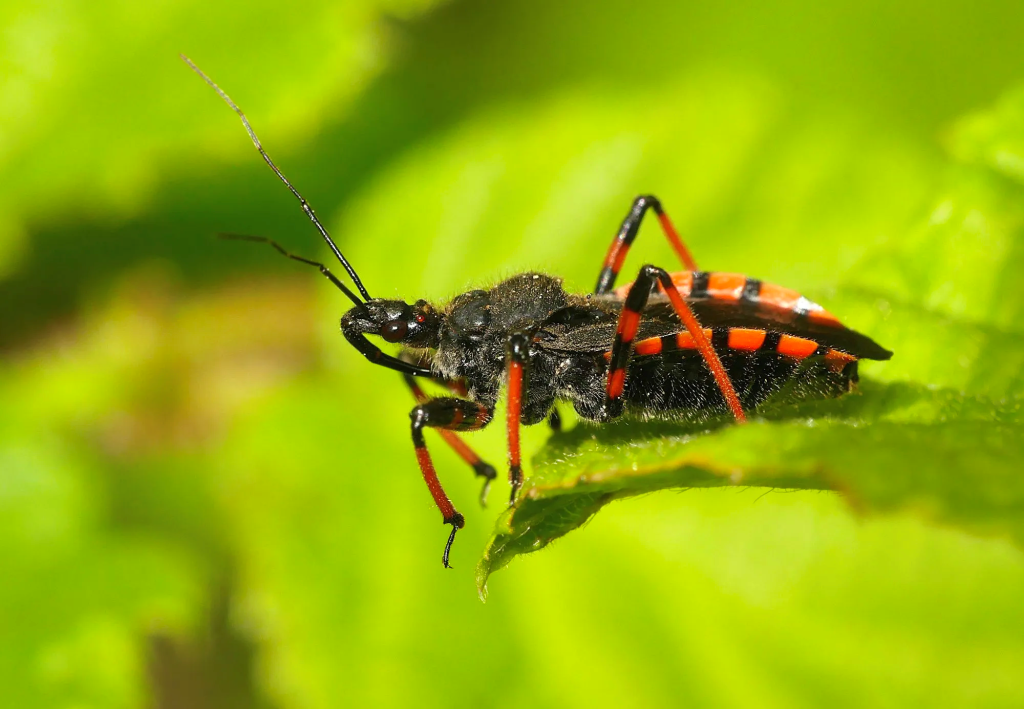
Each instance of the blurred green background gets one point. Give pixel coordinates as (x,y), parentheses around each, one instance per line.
(207,499)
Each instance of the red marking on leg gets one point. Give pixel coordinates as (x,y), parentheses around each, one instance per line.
(629,321)
(706,350)
(450,437)
(482,417)
(620,257)
(677,243)
(459,446)
(616,255)
(417,391)
(616,383)
(515,403)
(433,484)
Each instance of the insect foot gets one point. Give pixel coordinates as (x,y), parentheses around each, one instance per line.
(488,473)
(457,521)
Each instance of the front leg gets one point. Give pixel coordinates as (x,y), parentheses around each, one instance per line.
(480,467)
(448,414)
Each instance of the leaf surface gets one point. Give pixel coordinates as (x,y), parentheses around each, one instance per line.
(937,429)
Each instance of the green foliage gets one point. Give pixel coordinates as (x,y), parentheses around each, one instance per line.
(95,114)
(896,447)
(180,434)
(942,436)
(78,599)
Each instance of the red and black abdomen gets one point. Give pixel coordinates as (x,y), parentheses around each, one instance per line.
(668,374)
(766,336)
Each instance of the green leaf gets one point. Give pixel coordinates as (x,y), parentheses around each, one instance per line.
(995,137)
(665,596)
(79,600)
(808,163)
(942,437)
(887,448)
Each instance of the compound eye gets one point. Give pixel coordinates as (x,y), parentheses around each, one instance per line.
(394,331)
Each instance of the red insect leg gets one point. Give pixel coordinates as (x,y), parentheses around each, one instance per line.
(517,351)
(515,404)
(673,238)
(703,345)
(480,468)
(446,414)
(629,323)
(616,255)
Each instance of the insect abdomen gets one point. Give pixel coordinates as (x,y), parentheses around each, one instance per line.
(746,340)
(738,288)
(679,381)
(667,373)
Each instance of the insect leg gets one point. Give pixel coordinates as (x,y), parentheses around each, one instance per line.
(627,233)
(629,322)
(452,415)
(480,468)
(517,355)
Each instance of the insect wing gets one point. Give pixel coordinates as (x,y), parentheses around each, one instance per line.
(659,321)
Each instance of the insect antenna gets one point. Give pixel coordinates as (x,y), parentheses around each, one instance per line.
(284,252)
(302,200)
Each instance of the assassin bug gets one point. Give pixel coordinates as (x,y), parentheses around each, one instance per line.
(665,344)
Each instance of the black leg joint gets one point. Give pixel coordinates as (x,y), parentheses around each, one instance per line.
(516,475)
(419,421)
(631,226)
(645,201)
(518,347)
(655,274)
(626,235)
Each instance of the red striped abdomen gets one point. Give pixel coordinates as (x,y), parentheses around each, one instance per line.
(737,288)
(740,339)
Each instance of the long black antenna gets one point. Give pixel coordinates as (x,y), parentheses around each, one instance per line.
(284,252)
(302,200)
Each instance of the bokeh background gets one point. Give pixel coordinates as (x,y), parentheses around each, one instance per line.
(207,499)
